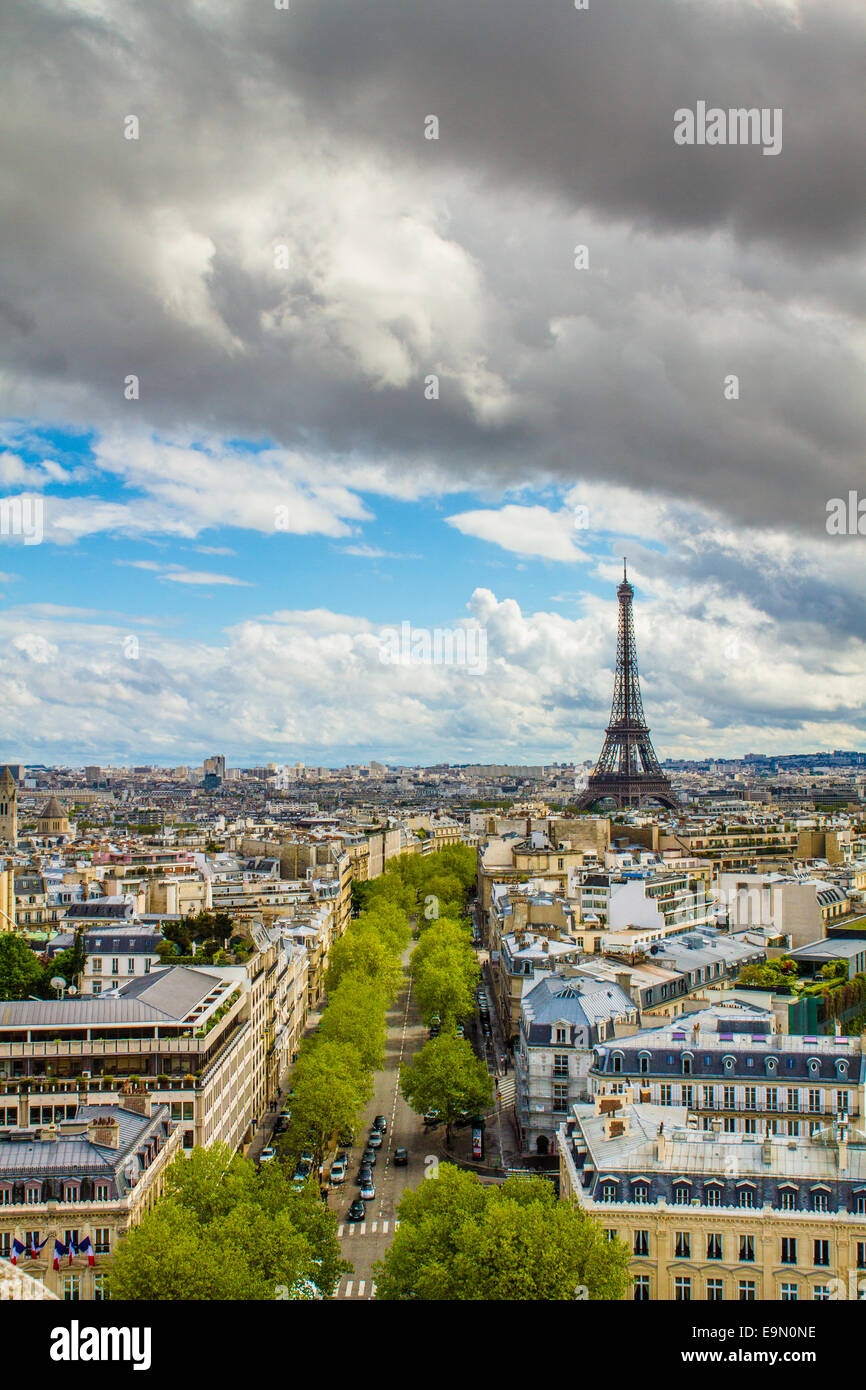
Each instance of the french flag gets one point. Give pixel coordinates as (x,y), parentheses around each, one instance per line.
(59,1251)
(18,1249)
(85,1247)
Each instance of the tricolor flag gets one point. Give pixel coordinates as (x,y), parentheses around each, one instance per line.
(18,1249)
(59,1251)
(73,1249)
(33,1249)
(85,1247)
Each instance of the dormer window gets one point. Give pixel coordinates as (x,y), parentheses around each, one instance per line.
(842,1067)
(687,1064)
(70,1191)
(644,1063)
(771,1064)
(33,1193)
(616,1061)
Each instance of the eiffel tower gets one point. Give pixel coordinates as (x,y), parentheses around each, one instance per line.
(627,770)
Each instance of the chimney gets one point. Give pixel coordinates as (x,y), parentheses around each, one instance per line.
(104,1130)
(716,1126)
(662,1146)
(767,1149)
(141,1102)
(623,979)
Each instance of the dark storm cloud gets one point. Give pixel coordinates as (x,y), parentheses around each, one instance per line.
(154,256)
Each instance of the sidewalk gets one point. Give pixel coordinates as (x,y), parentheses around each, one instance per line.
(264,1132)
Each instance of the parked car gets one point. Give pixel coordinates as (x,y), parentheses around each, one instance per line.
(338,1171)
(374,1139)
(401,1158)
(381,1124)
(368,1191)
(432,1117)
(267,1155)
(303,1170)
(282,1125)
(346,1138)
(357,1211)
(306,1157)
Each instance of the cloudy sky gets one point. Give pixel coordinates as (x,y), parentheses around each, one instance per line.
(376,382)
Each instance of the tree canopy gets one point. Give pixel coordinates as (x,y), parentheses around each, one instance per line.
(459,1239)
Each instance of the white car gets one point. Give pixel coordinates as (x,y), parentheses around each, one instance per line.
(368,1192)
(267,1155)
(338,1171)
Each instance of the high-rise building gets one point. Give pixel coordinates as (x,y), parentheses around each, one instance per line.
(8,809)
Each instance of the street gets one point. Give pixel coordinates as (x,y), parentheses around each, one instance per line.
(363,1242)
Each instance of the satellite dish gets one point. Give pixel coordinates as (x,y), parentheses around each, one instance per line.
(72,990)
(57,982)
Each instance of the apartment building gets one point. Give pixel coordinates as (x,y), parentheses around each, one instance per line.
(562,1019)
(524,957)
(712,1216)
(115,953)
(212,1043)
(87,1178)
(728,1064)
(797,906)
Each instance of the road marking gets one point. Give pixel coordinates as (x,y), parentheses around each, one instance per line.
(348,1293)
(384,1228)
(340,1230)
(372,1290)
(375,1227)
(361,1289)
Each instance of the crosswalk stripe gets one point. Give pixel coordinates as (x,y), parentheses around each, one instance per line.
(375,1227)
(348,1293)
(372,1290)
(384,1228)
(340,1230)
(361,1288)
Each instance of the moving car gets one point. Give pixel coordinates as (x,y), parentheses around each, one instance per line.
(381,1124)
(268,1154)
(369,1156)
(338,1171)
(375,1139)
(401,1158)
(357,1211)
(368,1191)
(365,1175)
(432,1117)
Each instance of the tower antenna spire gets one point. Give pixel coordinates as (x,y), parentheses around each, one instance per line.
(624,575)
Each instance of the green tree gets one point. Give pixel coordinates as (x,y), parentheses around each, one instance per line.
(223,1231)
(331,1085)
(364,955)
(20,972)
(461,1240)
(446,1076)
(356,1015)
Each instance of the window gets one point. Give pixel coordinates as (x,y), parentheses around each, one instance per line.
(772,1098)
(747,1291)
(789,1250)
(70,1237)
(793,1099)
(33,1194)
(188,1139)
(687,1066)
(187,1110)
(715,1290)
(682,1195)
(859,1204)
(822,1254)
(71,1288)
(683,1245)
(749,1125)
(789,1293)
(861,1254)
(560,1099)
(714,1246)
(5,1244)
(842,1101)
(115,966)
(665,1095)
(815,1102)
(561,1036)
(713,1196)
(709,1097)
(730,1101)
(100,1288)
(643,1064)
(70,1191)
(616,1061)
(750,1102)
(609,1234)
(747,1249)
(101,1240)
(683,1289)
(821,1292)
(130,965)
(5,1196)
(747,1197)
(96,965)
(640,1194)
(560,1064)
(101,1192)
(794,1129)
(788,1199)
(641,1243)
(641,1288)
(608,1192)
(819,1201)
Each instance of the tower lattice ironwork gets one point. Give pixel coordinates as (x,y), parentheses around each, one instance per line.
(628,769)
